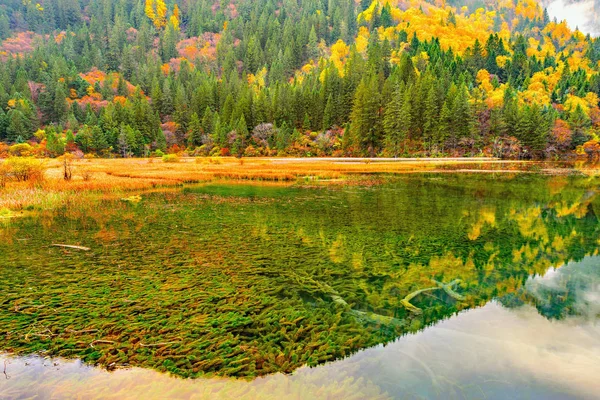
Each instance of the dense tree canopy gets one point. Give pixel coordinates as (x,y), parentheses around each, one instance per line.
(313,77)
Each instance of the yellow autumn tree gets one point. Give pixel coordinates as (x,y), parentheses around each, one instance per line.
(362,40)
(149,9)
(161,13)
(528,9)
(257,82)
(175,17)
(156,10)
(339,52)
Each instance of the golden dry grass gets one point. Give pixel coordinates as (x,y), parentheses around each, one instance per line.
(113,177)
(268,169)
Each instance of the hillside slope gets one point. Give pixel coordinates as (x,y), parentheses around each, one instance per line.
(315,77)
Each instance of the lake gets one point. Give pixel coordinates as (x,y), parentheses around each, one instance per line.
(419,286)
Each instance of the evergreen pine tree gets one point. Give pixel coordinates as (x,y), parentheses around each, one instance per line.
(194,137)
(60,104)
(579,122)
(445,126)
(366,121)
(328,116)
(207,121)
(312,49)
(393,122)
(430,116)
(98,139)
(283,137)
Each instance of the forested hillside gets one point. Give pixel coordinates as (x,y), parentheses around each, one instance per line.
(295,77)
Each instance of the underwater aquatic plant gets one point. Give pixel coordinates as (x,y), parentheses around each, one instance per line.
(247,280)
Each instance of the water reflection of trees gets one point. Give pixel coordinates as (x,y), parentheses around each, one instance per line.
(253,281)
(491,236)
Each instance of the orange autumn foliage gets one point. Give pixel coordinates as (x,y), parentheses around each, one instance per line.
(96,76)
(561,134)
(120,99)
(20,44)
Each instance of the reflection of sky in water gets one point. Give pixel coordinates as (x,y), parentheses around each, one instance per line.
(491,352)
(582,14)
(578,280)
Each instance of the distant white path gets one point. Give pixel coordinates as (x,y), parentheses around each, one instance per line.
(380,159)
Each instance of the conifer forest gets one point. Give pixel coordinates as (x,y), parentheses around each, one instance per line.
(296,78)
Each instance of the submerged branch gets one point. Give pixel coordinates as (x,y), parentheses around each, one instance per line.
(101,342)
(160,344)
(70,246)
(446,287)
(68,330)
(334,295)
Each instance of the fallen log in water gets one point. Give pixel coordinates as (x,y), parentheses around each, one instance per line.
(368,317)
(446,287)
(70,246)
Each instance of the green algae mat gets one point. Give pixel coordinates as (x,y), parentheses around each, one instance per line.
(247,280)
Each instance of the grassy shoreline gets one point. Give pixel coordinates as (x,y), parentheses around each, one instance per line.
(116,177)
